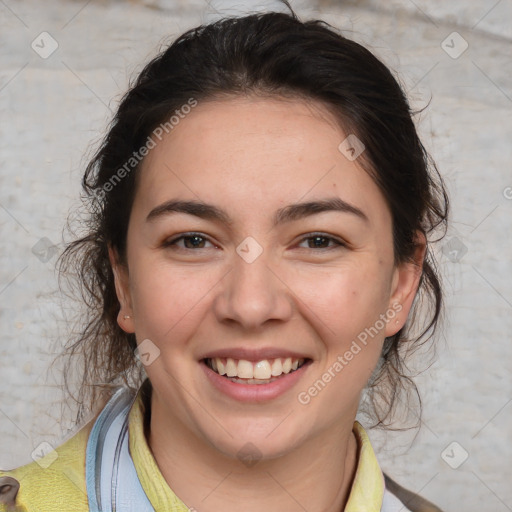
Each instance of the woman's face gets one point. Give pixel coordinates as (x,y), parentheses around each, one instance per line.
(255,246)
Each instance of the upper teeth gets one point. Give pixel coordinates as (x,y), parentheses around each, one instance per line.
(264,369)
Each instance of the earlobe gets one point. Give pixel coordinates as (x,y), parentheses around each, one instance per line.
(405,283)
(121,281)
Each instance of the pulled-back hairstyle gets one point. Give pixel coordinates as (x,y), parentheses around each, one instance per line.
(266,54)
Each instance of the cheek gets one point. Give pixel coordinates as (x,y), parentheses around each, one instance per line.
(167,301)
(344,301)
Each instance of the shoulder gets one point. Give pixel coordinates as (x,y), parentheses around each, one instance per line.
(397,498)
(51,483)
(390,503)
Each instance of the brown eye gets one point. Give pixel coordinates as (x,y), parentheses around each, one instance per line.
(321,241)
(190,241)
(193,242)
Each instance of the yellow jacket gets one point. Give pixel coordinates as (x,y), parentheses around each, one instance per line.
(51,488)
(57,481)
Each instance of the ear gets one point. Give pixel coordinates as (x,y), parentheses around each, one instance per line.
(121,279)
(406,279)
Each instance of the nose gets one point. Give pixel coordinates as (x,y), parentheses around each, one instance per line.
(253,294)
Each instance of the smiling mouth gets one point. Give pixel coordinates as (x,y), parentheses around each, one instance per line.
(265,371)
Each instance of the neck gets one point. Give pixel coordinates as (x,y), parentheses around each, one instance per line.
(316,476)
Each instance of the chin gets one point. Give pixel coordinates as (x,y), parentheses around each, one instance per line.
(249,439)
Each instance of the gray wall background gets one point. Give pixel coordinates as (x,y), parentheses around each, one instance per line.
(52,106)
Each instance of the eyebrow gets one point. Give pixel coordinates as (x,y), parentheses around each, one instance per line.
(289,213)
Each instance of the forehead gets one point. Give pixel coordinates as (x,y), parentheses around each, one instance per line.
(253,155)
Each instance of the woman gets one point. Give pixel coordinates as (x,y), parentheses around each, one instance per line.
(258,245)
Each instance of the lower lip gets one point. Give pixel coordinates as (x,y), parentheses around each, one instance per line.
(254,392)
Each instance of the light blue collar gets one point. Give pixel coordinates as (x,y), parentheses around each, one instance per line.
(111,478)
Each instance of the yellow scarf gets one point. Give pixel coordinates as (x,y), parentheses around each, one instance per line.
(366,493)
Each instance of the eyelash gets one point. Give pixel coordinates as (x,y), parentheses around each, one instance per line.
(310,236)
